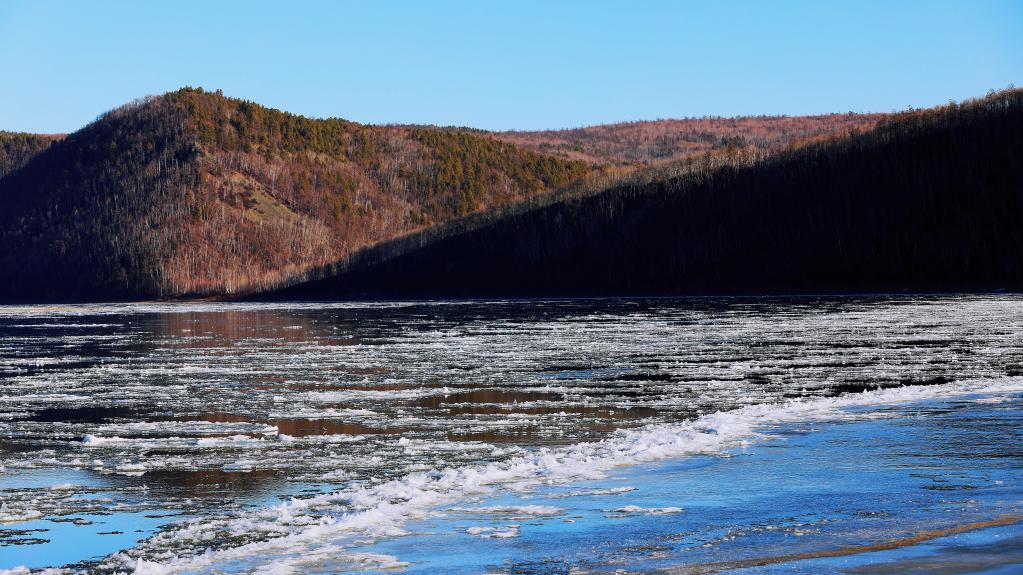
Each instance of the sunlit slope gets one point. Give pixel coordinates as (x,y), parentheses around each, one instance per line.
(655,141)
(192,193)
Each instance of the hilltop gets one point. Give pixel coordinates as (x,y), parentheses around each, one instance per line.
(926,200)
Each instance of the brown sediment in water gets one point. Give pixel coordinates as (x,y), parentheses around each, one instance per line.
(704,568)
(312,427)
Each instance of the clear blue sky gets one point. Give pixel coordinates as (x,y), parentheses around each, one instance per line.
(500,65)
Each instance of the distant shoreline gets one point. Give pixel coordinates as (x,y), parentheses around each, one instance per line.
(484,298)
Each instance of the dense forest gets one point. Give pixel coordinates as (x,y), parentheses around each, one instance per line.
(94,213)
(17,148)
(925,200)
(665,140)
(193,193)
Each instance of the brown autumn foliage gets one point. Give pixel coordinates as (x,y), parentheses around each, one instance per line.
(193,193)
(281,194)
(659,141)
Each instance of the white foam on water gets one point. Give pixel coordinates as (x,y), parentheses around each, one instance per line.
(339,558)
(193,427)
(304,527)
(95,440)
(11,514)
(27,571)
(305,412)
(372,394)
(427,446)
(231,441)
(333,438)
(593,492)
(648,510)
(511,510)
(143,443)
(44,398)
(243,466)
(505,532)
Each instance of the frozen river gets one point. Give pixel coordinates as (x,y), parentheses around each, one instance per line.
(845,435)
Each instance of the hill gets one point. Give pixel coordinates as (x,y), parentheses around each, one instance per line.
(926,200)
(666,140)
(17,148)
(192,193)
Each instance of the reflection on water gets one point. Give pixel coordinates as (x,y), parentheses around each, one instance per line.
(93,414)
(227,328)
(212,483)
(234,403)
(306,427)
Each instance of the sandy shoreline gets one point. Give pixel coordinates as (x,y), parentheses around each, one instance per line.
(718,567)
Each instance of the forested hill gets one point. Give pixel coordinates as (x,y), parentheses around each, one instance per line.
(657,141)
(192,193)
(927,200)
(17,148)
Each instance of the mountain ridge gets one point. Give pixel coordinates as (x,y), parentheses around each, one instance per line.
(664,140)
(927,200)
(194,194)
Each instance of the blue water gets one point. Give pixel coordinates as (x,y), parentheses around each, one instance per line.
(66,542)
(121,424)
(930,466)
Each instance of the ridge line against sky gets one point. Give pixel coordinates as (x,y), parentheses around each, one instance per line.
(512,65)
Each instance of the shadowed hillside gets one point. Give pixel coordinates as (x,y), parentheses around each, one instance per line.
(93,214)
(192,193)
(927,200)
(17,148)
